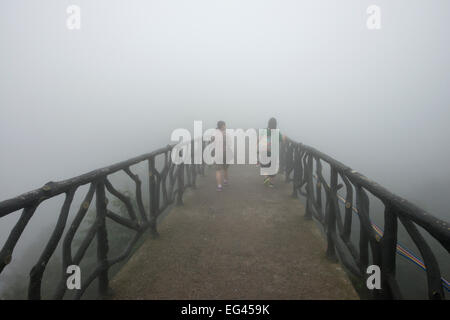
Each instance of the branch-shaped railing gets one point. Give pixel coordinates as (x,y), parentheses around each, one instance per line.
(303,165)
(300,162)
(166,187)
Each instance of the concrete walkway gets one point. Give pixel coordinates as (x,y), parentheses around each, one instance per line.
(247,242)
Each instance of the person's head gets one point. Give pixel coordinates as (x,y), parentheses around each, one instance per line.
(272,123)
(221,125)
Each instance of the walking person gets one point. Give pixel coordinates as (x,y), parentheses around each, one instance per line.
(265,141)
(222,168)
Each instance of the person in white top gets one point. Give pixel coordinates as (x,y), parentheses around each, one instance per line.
(222,168)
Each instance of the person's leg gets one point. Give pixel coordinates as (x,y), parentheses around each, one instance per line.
(272,177)
(225,175)
(219,179)
(268,178)
(268,181)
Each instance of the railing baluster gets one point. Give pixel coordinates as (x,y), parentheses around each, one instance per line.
(34,289)
(295,179)
(180,184)
(309,188)
(172,180)
(362,205)
(8,248)
(164,174)
(102,239)
(138,192)
(123,221)
(157,193)
(193,166)
(287,160)
(331,217)
(319,185)
(303,166)
(435,291)
(152,197)
(348,209)
(202,166)
(90,235)
(67,258)
(300,169)
(389,285)
(367,235)
(125,199)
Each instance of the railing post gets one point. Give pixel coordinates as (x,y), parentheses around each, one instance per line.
(153,201)
(193,166)
(180,184)
(309,187)
(363,208)
(202,166)
(318,184)
(102,239)
(331,217)
(388,253)
(288,159)
(348,209)
(295,175)
(434,282)
(283,159)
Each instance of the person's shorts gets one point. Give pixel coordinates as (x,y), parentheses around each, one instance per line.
(221,166)
(267,165)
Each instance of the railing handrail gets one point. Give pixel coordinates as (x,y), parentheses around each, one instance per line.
(431,223)
(52,189)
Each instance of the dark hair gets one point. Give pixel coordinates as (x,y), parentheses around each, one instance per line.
(272,123)
(220,124)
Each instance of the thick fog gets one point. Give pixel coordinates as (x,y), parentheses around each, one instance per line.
(75,100)
(377,100)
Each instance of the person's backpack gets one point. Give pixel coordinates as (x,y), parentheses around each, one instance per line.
(264,143)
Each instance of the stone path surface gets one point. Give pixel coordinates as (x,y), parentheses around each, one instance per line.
(247,242)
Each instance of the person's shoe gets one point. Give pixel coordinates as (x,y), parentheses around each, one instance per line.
(225,183)
(268,183)
(219,188)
